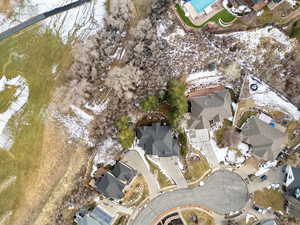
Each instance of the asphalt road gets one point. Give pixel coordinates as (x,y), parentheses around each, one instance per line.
(223,192)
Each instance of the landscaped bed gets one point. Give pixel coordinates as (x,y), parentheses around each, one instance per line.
(269,198)
(137,192)
(224,15)
(193,215)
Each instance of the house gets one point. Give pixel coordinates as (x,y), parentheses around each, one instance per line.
(157,140)
(291,186)
(209,109)
(266,140)
(123,172)
(110,186)
(268,222)
(97,216)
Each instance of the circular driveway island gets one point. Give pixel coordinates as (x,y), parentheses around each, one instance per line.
(223,192)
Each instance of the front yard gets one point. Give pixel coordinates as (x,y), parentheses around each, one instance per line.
(162,179)
(193,216)
(197,166)
(269,198)
(137,192)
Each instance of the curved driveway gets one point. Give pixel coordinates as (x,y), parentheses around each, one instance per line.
(223,192)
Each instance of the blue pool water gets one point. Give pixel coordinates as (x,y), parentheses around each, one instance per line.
(200,5)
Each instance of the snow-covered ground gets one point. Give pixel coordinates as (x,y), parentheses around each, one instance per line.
(77,124)
(105,154)
(265,167)
(204,79)
(266,96)
(81,21)
(21,97)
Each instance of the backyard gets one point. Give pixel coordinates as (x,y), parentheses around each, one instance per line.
(224,15)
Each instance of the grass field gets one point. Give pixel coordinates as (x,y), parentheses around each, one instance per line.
(31,54)
(269,198)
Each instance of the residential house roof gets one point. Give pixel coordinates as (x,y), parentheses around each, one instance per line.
(95,217)
(123,172)
(110,186)
(292,179)
(269,222)
(266,140)
(214,106)
(157,140)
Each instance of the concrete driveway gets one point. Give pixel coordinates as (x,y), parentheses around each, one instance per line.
(171,167)
(223,192)
(133,159)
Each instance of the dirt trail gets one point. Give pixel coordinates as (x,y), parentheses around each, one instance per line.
(9,181)
(47,185)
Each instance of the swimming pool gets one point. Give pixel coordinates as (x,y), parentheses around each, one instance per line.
(200,5)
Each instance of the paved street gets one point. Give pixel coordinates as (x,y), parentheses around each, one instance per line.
(223,192)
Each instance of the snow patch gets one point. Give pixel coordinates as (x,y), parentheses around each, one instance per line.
(83,21)
(97,108)
(265,167)
(266,96)
(77,125)
(21,97)
(203,78)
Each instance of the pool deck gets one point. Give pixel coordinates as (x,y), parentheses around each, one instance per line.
(199,18)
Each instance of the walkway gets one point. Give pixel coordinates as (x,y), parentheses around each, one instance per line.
(223,192)
(40,17)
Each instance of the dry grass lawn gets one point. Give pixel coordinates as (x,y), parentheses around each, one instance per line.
(203,218)
(292,139)
(137,192)
(269,198)
(196,168)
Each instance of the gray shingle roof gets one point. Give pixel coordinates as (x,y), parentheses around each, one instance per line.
(215,106)
(157,140)
(123,172)
(110,186)
(269,222)
(94,217)
(266,140)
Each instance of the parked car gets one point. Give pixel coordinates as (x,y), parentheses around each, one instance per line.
(257,208)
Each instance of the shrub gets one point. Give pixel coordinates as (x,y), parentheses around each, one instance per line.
(183,144)
(150,103)
(177,100)
(126,134)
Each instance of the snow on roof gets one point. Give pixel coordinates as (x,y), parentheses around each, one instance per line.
(266,96)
